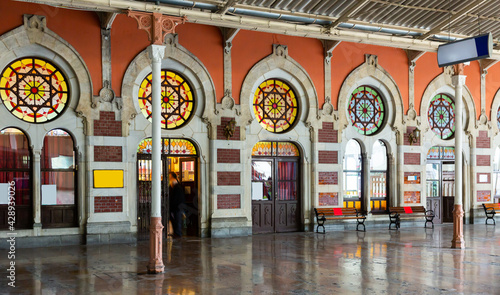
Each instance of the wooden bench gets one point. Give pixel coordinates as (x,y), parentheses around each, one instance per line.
(490,211)
(324,214)
(396,213)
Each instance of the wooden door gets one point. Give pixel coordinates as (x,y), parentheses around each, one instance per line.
(433,182)
(275,195)
(448,189)
(189,182)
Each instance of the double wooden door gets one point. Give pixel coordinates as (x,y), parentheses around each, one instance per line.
(441,189)
(185,168)
(275,195)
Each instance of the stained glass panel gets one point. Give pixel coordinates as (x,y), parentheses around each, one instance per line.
(434,153)
(280,149)
(177,104)
(441,153)
(287,149)
(262,148)
(174,147)
(275,106)
(366,110)
(441,116)
(34,90)
(181,147)
(498,118)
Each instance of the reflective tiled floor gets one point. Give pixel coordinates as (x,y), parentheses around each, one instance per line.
(409,261)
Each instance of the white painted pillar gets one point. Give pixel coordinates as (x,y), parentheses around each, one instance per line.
(156,53)
(458,213)
(37,196)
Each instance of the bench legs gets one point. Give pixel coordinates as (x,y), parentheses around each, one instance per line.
(394,218)
(488,217)
(321,222)
(361,221)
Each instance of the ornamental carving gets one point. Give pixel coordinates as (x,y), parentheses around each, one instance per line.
(156,24)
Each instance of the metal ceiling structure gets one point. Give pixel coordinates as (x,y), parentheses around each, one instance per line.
(408,24)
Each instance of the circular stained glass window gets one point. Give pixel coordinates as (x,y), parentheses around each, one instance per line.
(275,105)
(34,90)
(442,116)
(366,110)
(177,101)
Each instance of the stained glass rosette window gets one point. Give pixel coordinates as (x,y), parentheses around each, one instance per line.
(177,103)
(34,90)
(275,105)
(441,116)
(366,110)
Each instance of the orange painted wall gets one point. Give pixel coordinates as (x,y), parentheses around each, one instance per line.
(348,56)
(492,86)
(79,28)
(249,47)
(426,70)
(473,82)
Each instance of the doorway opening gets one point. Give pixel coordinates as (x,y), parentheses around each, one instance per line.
(440,182)
(179,156)
(276,196)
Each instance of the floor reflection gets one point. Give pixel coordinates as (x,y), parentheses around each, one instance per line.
(411,260)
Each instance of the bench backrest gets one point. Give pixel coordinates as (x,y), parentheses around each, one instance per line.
(329,211)
(401,210)
(495,206)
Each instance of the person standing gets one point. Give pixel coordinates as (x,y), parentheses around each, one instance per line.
(176,197)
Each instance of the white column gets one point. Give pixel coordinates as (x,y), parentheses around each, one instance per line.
(37,196)
(458,81)
(156,53)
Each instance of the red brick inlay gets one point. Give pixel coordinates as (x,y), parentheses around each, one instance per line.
(107,153)
(229,201)
(108,204)
(228,178)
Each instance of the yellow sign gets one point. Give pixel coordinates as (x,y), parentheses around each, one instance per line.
(108,178)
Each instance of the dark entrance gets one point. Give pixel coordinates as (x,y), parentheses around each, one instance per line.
(178,156)
(275,188)
(440,176)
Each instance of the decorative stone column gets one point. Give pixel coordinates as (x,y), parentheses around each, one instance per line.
(458,213)
(155,265)
(37,196)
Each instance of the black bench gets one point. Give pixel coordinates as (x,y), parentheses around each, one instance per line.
(490,211)
(324,214)
(396,213)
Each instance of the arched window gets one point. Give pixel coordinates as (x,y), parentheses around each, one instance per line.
(378,177)
(275,106)
(366,110)
(178,102)
(441,116)
(15,175)
(59,179)
(353,172)
(496,176)
(34,90)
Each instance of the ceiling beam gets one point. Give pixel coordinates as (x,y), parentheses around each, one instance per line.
(462,13)
(251,23)
(349,13)
(223,9)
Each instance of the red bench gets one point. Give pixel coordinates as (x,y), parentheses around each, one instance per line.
(324,214)
(490,211)
(396,213)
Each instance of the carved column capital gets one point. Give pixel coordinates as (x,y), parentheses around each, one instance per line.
(156,52)
(156,24)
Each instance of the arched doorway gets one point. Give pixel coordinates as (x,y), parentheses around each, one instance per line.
(353,176)
(179,156)
(15,179)
(59,180)
(440,182)
(276,188)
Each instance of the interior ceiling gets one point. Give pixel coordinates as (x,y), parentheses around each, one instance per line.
(420,19)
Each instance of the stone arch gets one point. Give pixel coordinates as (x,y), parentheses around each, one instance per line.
(443,84)
(372,74)
(35,39)
(494,112)
(179,59)
(280,65)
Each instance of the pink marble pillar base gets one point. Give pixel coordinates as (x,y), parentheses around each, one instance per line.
(155,246)
(458,228)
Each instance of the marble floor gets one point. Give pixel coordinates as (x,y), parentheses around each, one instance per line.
(408,261)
